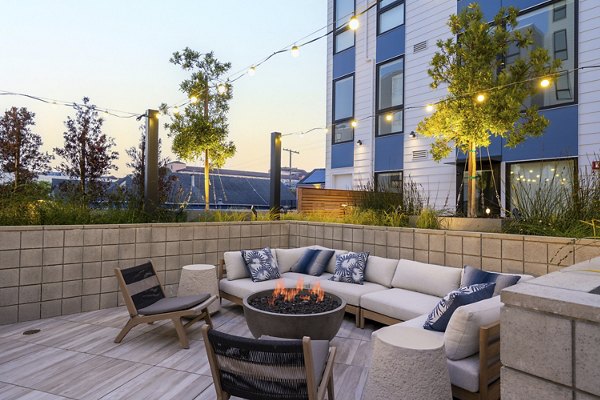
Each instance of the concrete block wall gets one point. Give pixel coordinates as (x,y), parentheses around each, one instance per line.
(550,335)
(57,270)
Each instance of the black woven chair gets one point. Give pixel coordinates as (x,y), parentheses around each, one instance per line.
(274,369)
(146,302)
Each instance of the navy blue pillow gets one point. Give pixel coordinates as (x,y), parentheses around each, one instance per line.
(440,316)
(313,262)
(472,276)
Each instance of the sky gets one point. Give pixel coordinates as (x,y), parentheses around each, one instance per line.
(117,53)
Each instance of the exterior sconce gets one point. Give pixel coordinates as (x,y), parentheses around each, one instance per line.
(412,134)
(359,142)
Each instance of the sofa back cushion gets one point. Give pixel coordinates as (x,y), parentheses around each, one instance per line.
(236,266)
(286,258)
(380,270)
(461,339)
(435,280)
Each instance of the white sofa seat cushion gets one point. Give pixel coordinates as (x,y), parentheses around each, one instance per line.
(348,291)
(465,373)
(399,303)
(461,338)
(380,270)
(244,286)
(307,279)
(286,258)
(435,280)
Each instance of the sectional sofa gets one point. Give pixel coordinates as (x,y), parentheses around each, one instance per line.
(398,292)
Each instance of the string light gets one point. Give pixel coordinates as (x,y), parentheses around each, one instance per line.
(295,51)
(429,108)
(193,99)
(354,123)
(176,110)
(545,82)
(222,89)
(353,23)
(480,98)
(252,71)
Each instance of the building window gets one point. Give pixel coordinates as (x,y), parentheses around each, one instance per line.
(388,182)
(390,15)
(344,36)
(536,181)
(343,109)
(390,97)
(553,27)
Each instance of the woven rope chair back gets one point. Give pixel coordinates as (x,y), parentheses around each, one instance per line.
(258,369)
(143,285)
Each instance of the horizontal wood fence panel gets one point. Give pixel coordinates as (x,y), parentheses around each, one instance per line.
(326,200)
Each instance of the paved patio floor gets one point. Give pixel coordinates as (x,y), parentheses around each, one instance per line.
(74,357)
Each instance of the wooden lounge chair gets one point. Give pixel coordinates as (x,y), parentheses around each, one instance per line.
(271,369)
(146,302)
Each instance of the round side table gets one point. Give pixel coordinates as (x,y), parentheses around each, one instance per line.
(408,363)
(199,278)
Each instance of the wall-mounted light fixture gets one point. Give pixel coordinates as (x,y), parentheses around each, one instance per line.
(359,142)
(412,134)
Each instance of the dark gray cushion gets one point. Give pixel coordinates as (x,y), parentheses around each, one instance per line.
(170,304)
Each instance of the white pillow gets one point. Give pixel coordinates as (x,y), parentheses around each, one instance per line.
(461,339)
(435,280)
(235,265)
(380,270)
(331,265)
(286,258)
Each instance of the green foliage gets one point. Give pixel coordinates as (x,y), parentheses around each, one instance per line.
(428,219)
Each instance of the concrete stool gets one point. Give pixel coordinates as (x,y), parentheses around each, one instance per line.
(200,278)
(408,363)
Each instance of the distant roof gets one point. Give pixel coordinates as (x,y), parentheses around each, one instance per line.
(316,176)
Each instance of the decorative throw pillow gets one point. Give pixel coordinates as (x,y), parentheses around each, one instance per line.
(350,267)
(313,262)
(472,276)
(440,316)
(261,264)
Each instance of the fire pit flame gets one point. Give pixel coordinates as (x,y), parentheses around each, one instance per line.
(280,292)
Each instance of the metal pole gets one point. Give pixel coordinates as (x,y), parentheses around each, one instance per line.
(290,171)
(275,198)
(151,164)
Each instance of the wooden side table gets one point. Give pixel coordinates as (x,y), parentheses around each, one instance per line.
(200,278)
(408,363)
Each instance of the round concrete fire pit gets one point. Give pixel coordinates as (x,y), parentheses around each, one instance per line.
(318,326)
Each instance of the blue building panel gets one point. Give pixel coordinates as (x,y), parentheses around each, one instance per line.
(389,153)
(342,155)
(488,7)
(390,44)
(344,62)
(559,139)
(495,150)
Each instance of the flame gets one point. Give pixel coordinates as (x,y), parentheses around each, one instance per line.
(290,294)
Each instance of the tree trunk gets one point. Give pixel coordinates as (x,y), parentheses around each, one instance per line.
(206,182)
(472,181)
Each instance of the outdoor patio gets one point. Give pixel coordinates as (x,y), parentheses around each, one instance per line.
(74,357)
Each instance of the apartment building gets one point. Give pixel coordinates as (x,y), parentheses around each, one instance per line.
(378,89)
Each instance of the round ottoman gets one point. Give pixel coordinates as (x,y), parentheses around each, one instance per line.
(199,278)
(408,363)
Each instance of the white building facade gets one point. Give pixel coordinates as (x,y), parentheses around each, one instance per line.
(378,82)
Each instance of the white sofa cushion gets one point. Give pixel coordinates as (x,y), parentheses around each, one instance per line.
(307,279)
(235,265)
(244,286)
(331,265)
(288,257)
(465,373)
(348,291)
(380,270)
(461,338)
(435,280)
(399,303)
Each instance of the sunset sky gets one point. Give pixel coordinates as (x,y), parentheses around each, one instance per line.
(117,54)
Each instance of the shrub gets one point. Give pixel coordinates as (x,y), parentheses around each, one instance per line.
(428,219)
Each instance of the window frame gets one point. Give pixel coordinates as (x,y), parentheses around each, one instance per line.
(399,171)
(346,119)
(383,10)
(379,112)
(342,29)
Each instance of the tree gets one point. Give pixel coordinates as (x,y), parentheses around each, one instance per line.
(87,152)
(200,132)
(485,96)
(138,164)
(20,148)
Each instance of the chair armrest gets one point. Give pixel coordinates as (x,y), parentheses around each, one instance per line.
(489,356)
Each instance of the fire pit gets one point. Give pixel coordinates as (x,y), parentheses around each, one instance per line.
(294,312)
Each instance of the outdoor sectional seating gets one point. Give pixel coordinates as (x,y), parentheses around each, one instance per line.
(398,292)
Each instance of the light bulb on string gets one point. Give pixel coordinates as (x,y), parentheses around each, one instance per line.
(480,98)
(295,51)
(176,110)
(545,82)
(222,89)
(354,123)
(353,24)
(193,99)
(429,108)
(252,71)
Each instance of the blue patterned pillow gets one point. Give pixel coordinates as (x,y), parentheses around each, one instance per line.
(261,264)
(313,262)
(440,316)
(472,276)
(350,267)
